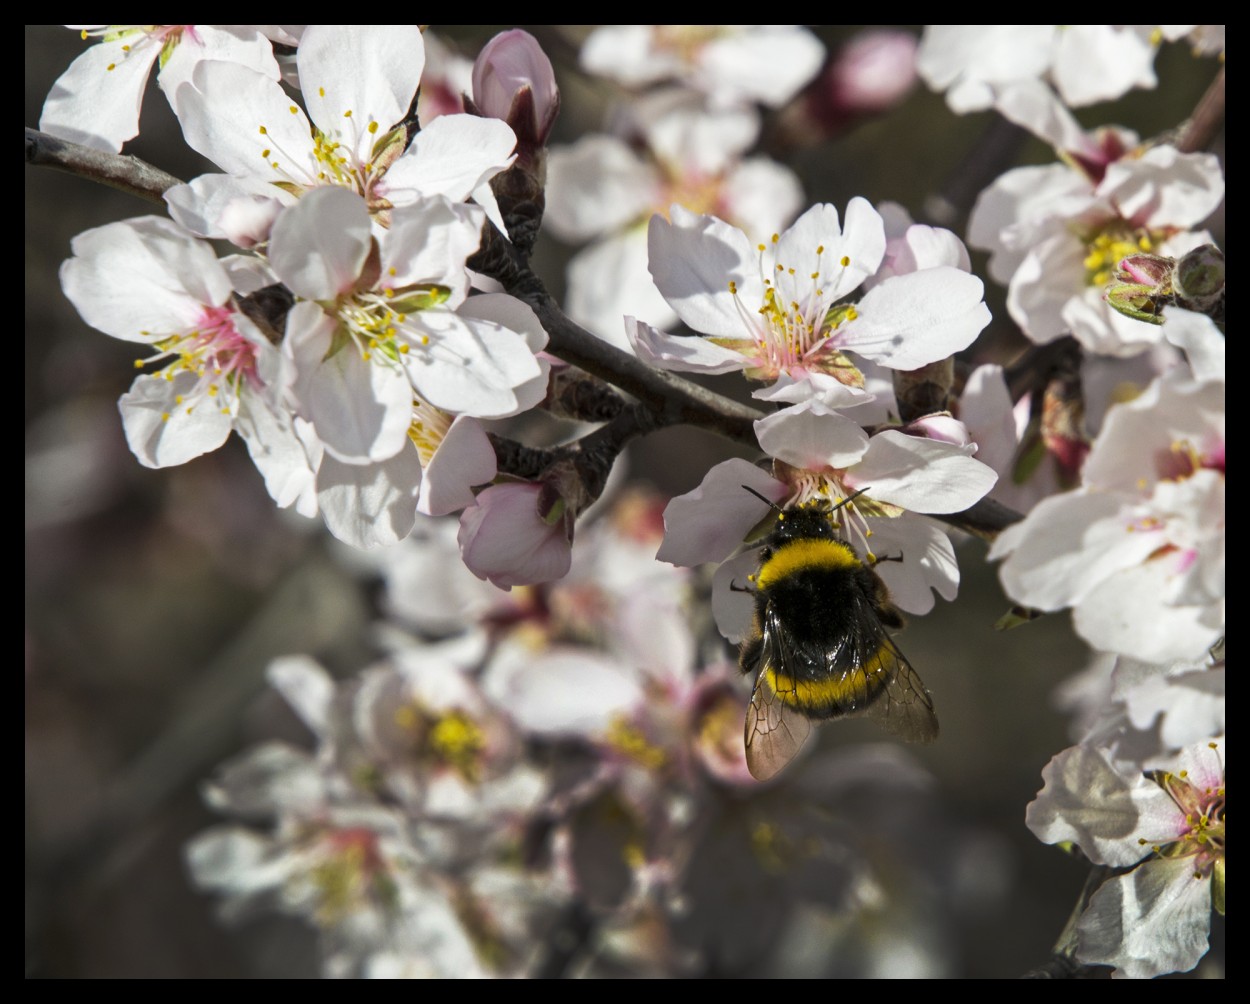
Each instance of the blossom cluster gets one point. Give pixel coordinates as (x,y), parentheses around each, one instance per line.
(550,749)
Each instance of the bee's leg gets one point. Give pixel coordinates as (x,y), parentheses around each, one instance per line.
(874,560)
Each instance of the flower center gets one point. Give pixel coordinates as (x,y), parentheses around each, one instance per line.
(214,350)
(1105,250)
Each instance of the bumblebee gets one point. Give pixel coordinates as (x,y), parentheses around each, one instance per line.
(819,646)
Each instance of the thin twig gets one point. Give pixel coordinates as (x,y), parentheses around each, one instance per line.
(1206,121)
(126,174)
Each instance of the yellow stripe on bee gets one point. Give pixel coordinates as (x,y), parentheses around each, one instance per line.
(805,555)
(833,695)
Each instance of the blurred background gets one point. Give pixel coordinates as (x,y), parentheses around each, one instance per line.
(155,599)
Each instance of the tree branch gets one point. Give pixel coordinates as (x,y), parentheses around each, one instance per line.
(1206,121)
(126,174)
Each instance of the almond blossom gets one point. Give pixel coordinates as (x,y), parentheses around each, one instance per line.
(1137,551)
(147,281)
(96,101)
(671,149)
(822,457)
(1085,62)
(1170,824)
(1056,232)
(357,83)
(389,318)
(778,310)
(732,64)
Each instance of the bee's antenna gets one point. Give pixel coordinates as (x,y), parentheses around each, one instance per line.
(767,501)
(846,501)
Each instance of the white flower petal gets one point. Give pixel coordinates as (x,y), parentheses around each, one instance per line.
(709,523)
(693,260)
(306,687)
(463,460)
(596,186)
(451,156)
(320,244)
(610,279)
(370,506)
(911,320)
(165,426)
(1152,921)
(810,437)
(681,354)
(354,74)
(96,101)
(921,474)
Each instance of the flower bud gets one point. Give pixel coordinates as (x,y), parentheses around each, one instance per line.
(513,80)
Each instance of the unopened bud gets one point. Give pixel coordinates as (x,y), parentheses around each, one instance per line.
(513,80)
(1199,278)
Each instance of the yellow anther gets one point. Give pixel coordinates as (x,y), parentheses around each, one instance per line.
(733,287)
(111,67)
(425,339)
(776,238)
(265,153)
(373,127)
(164,416)
(264,131)
(321,91)
(845,260)
(820,249)
(293,110)
(347,114)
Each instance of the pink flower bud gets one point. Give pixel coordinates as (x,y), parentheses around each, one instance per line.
(516,534)
(513,80)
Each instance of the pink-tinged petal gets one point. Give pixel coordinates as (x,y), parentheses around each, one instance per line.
(809,436)
(246,124)
(941,428)
(912,320)
(681,354)
(921,474)
(320,244)
(354,74)
(230,43)
(428,242)
(1087,800)
(240,210)
(709,523)
(96,101)
(509,65)
(464,460)
(693,260)
(928,561)
(1154,920)
(1069,544)
(569,691)
(451,156)
(595,186)
(142,279)
(370,506)
(1135,611)
(505,540)
(165,426)
(733,605)
(610,279)
(360,407)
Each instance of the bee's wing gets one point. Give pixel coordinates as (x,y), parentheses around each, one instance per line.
(903,705)
(774,733)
